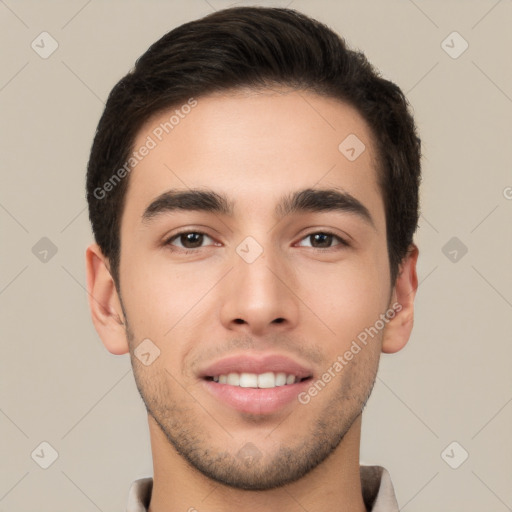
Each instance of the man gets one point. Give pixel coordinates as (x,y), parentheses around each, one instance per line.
(253,192)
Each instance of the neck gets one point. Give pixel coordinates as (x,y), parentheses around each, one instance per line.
(333,485)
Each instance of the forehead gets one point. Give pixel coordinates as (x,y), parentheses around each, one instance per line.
(254,147)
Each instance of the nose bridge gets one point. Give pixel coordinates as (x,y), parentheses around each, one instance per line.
(259,294)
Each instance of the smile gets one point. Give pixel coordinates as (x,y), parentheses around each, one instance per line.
(265,380)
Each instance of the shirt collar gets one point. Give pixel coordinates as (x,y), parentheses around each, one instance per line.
(378,492)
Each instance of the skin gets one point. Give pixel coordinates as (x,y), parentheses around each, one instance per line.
(190,305)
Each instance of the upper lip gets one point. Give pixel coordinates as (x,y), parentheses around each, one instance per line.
(251,363)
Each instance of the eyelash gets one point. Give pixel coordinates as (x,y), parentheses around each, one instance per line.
(342,242)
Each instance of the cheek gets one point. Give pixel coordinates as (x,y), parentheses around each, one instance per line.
(160,298)
(348,297)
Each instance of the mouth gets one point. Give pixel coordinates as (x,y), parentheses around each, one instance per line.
(257,385)
(267,380)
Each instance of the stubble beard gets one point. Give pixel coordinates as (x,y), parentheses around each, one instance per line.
(259,471)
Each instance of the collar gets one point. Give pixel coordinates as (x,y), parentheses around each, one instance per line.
(378,492)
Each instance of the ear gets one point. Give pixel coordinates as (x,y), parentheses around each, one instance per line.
(398,329)
(107,314)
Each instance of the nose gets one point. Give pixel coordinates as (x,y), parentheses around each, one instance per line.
(260,296)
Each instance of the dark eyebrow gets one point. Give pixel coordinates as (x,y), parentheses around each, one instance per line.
(307,200)
(323,200)
(191,200)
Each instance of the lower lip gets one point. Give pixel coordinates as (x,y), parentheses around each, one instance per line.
(256,400)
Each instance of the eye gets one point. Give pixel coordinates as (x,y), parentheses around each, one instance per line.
(324,239)
(187,240)
(191,241)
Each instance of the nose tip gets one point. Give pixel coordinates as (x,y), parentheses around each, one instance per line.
(256,299)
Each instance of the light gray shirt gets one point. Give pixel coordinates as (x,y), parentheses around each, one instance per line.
(378,493)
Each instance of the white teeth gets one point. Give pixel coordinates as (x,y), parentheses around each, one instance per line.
(248,380)
(280,379)
(252,380)
(266,380)
(233,379)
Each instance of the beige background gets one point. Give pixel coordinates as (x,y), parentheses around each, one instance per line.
(451,383)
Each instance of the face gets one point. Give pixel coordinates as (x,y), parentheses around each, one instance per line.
(250,289)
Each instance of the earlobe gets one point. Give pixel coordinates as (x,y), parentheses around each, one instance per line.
(399,328)
(104,303)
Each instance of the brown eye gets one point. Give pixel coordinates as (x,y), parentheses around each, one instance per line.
(187,240)
(324,240)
